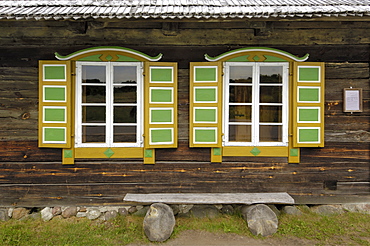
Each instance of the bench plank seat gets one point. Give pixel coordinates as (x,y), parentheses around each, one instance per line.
(211,198)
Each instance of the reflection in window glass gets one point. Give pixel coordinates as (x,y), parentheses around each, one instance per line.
(271,94)
(271,133)
(93,94)
(241,74)
(124,74)
(240,113)
(125,94)
(124,134)
(271,74)
(270,114)
(124,114)
(240,94)
(93,114)
(240,133)
(93,74)
(93,134)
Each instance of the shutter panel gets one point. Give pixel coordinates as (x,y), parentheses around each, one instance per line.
(160,110)
(205,104)
(308,104)
(55,104)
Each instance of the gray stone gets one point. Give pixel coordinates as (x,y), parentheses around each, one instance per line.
(4,215)
(175,209)
(327,209)
(93,213)
(261,220)
(56,211)
(357,207)
(141,211)
(47,214)
(19,213)
(109,215)
(34,216)
(185,208)
(81,214)
(227,209)
(275,209)
(132,210)
(204,211)
(69,212)
(292,210)
(159,222)
(123,211)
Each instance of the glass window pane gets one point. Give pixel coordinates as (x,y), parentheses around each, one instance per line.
(93,114)
(241,74)
(93,94)
(93,134)
(270,133)
(124,75)
(270,114)
(124,114)
(240,94)
(124,134)
(271,74)
(271,94)
(240,133)
(125,94)
(240,113)
(93,74)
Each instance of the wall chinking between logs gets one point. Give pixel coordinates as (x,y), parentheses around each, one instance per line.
(34,177)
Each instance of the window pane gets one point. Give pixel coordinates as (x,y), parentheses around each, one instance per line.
(240,133)
(240,94)
(93,94)
(271,74)
(93,114)
(124,75)
(271,114)
(241,74)
(93,74)
(124,134)
(270,133)
(271,94)
(240,113)
(125,94)
(93,134)
(124,114)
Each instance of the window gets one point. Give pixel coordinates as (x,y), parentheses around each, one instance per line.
(255,103)
(109,104)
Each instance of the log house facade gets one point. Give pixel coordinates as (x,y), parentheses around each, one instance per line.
(186,143)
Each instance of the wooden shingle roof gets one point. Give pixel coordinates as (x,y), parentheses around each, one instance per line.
(180,9)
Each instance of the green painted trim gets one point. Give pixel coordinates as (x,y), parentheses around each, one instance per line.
(255,151)
(54,72)
(254,49)
(216,151)
(108,153)
(205,74)
(161,116)
(309,135)
(308,94)
(54,93)
(308,74)
(309,114)
(161,135)
(108,48)
(161,75)
(205,115)
(205,135)
(159,95)
(68,153)
(54,134)
(148,153)
(205,94)
(293,152)
(54,114)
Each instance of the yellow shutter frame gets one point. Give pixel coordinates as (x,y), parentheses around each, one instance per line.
(55,104)
(205,105)
(308,104)
(160,105)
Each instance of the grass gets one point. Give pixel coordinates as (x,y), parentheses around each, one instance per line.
(340,229)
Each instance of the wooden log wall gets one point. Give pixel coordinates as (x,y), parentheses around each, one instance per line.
(30,176)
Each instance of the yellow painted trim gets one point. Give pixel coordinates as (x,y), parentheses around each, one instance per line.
(149,160)
(148,105)
(68,160)
(218,104)
(214,157)
(99,153)
(68,104)
(266,151)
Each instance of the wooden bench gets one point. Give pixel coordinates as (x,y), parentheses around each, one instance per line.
(210,198)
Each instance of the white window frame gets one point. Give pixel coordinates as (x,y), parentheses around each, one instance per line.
(255,104)
(109,105)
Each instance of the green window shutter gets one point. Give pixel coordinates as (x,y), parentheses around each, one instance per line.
(160,105)
(308,104)
(55,104)
(205,104)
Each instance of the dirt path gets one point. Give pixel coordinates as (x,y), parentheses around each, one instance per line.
(203,238)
